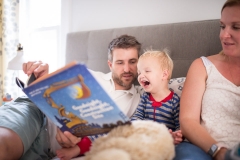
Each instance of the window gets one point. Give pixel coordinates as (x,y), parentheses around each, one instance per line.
(39,30)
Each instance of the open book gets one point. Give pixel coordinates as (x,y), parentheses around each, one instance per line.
(75,101)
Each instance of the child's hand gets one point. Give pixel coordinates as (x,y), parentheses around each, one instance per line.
(177,136)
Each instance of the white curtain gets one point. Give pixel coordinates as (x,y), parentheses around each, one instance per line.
(9,34)
(36,24)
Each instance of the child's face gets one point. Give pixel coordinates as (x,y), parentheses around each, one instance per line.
(150,73)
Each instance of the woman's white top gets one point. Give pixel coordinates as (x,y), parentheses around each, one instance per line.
(220,113)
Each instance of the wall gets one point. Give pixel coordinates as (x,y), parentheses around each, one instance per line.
(83,15)
(101,14)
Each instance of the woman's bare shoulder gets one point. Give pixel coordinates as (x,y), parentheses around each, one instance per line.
(197,70)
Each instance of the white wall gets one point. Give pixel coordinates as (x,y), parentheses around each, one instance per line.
(83,15)
(102,14)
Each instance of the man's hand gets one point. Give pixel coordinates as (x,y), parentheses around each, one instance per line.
(37,67)
(66,139)
(177,136)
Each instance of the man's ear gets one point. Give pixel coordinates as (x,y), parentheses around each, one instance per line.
(110,65)
(165,74)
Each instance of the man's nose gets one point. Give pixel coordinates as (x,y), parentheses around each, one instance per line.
(126,68)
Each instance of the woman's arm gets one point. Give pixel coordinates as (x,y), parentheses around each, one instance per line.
(190,106)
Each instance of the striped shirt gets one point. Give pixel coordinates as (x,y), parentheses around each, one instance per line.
(166,111)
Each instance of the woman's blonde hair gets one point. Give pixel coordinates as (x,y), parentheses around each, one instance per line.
(163,57)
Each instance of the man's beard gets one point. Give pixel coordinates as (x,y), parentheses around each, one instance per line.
(117,79)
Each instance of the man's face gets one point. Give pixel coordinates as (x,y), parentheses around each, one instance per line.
(124,67)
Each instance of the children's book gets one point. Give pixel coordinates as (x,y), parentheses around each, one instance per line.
(73,99)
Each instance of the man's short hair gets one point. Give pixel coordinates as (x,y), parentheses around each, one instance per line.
(123,42)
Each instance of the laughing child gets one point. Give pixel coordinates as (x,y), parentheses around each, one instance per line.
(158,103)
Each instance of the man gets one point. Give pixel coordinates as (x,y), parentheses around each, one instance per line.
(25,132)
(123,53)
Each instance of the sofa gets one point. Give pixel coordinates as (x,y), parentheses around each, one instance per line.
(186,41)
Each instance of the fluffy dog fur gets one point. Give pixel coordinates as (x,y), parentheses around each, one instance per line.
(140,140)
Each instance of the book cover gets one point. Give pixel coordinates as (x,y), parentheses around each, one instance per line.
(75,101)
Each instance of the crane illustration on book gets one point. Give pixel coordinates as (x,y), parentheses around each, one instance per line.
(83,92)
(69,120)
(73,99)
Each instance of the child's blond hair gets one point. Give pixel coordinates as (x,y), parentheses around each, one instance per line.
(165,60)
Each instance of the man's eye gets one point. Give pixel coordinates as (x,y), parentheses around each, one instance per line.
(119,62)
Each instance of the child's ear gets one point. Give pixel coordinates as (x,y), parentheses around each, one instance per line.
(165,74)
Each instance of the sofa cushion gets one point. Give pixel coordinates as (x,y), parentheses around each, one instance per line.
(176,85)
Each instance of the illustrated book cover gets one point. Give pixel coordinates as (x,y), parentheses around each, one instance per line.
(73,99)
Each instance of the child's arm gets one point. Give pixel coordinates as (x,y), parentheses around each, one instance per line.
(177,134)
(176,108)
(139,114)
(84,145)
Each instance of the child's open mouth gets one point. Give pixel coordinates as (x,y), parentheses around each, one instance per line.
(145,83)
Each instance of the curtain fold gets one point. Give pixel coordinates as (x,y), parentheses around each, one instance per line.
(9,39)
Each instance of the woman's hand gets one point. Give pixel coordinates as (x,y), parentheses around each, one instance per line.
(66,139)
(37,67)
(221,154)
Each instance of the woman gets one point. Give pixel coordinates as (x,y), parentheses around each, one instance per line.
(210,101)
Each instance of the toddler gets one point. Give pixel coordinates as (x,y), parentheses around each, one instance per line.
(158,103)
